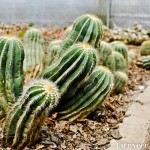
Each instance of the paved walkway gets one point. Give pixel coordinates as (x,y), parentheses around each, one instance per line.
(134,128)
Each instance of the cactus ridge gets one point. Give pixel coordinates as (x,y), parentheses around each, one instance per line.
(94,89)
(86,29)
(144,62)
(74,66)
(26,116)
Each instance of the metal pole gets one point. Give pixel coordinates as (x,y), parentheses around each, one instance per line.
(108,13)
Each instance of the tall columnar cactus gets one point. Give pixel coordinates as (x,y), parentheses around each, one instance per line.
(145,48)
(120,81)
(34,52)
(26,117)
(87,29)
(76,64)
(90,95)
(53,53)
(120,62)
(144,62)
(121,48)
(105,55)
(11,69)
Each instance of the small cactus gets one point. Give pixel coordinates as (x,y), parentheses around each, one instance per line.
(76,64)
(27,115)
(53,53)
(11,69)
(144,62)
(34,52)
(87,29)
(145,48)
(121,48)
(120,62)
(105,55)
(90,95)
(68,31)
(120,81)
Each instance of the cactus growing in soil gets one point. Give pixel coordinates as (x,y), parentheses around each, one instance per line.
(26,116)
(11,69)
(144,62)
(76,64)
(105,56)
(121,48)
(34,52)
(120,81)
(53,53)
(145,48)
(90,95)
(87,29)
(120,62)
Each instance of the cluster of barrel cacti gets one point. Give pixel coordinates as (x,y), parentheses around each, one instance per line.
(80,72)
(144,61)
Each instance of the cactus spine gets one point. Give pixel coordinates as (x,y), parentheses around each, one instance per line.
(11,66)
(120,63)
(89,96)
(105,56)
(87,29)
(145,48)
(144,62)
(120,81)
(53,53)
(76,64)
(26,117)
(34,52)
(121,48)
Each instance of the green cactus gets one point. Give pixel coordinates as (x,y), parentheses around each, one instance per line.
(120,81)
(105,56)
(145,48)
(121,48)
(54,52)
(34,52)
(144,62)
(27,115)
(131,56)
(76,64)
(11,69)
(90,95)
(120,62)
(68,31)
(87,29)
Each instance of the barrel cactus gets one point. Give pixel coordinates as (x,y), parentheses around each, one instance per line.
(145,48)
(11,69)
(87,29)
(120,62)
(120,81)
(34,52)
(144,62)
(26,116)
(68,31)
(105,55)
(90,95)
(121,48)
(76,64)
(53,53)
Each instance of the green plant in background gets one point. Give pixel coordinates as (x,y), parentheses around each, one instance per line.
(90,95)
(76,64)
(121,48)
(144,62)
(105,55)
(145,48)
(26,117)
(131,56)
(120,81)
(120,62)
(34,52)
(87,29)
(11,70)
(53,52)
